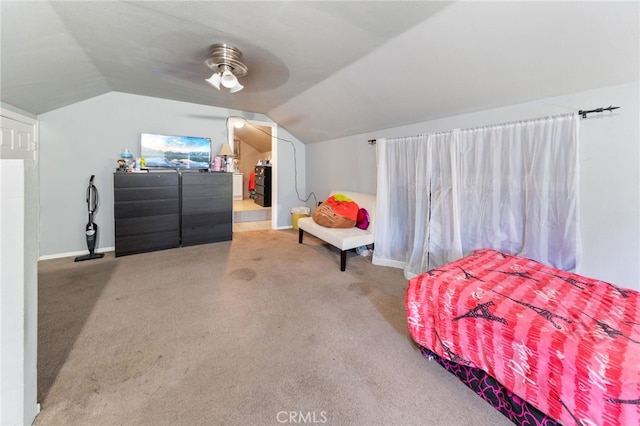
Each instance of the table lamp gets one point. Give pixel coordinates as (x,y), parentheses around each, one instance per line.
(225,151)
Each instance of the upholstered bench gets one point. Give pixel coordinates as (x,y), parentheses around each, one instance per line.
(343,238)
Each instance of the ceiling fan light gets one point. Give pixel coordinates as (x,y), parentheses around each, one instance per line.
(214,80)
(238,87)
(226,61)
(228,80)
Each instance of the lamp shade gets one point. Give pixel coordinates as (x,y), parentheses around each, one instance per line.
(228,80)
(225,150)
(214,80)
(238,87)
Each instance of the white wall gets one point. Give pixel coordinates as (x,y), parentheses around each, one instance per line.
(290,174)
(18,267)
(609,171)
(86,139)
(12,289)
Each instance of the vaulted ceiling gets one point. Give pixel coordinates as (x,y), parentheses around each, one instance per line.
(322,70)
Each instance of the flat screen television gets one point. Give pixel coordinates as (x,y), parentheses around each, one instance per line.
(175,152)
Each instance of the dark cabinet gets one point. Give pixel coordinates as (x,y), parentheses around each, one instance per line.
(263,186)
(146,211)
(161,210)
(207,207)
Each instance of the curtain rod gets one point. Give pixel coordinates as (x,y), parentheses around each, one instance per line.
(584,113)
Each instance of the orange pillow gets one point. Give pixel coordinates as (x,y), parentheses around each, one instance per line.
(337,211)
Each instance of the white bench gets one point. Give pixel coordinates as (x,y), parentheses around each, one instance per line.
(343,238)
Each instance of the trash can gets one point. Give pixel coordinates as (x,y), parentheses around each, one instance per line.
(297,213)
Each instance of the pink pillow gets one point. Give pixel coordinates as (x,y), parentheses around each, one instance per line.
(362,221)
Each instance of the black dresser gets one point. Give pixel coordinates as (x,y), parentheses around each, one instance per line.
(146,211)
(263,186)
(207,207)
(161,210)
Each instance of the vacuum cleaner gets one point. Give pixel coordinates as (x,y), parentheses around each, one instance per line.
(91,230)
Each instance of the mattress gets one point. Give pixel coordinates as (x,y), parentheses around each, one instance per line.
(568,345)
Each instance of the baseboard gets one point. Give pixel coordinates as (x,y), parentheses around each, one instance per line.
(74,253)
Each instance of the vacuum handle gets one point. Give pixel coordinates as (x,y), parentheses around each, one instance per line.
(92,196)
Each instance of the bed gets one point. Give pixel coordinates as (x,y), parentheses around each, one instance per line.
(542,345)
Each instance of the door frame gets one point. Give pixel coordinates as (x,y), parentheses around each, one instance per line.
(274,161)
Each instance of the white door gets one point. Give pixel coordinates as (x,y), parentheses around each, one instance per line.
(19,200)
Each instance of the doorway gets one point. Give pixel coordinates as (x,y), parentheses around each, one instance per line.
(253,144)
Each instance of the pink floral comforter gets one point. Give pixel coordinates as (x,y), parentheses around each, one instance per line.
(567,344)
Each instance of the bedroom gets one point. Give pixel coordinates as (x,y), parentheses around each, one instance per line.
(110,122)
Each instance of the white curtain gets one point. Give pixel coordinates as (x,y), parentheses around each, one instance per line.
(512,187)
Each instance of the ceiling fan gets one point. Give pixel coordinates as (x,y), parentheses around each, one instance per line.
(225,61)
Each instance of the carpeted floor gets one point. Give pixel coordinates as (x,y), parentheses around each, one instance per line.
(260,330)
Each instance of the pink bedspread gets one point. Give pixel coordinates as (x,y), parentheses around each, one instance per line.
(567,344)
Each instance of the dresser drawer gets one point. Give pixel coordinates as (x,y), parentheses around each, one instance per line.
(147,208)
(146,193)
(207,234)
(146,225)
(140,243)
(200,220)
(133,180)
(262,200)
(193,191)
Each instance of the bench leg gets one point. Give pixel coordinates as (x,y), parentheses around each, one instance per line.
(343,253)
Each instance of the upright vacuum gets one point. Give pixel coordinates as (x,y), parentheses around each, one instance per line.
(91,230)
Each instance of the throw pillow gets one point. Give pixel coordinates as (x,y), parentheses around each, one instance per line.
(338,211)
(362,221)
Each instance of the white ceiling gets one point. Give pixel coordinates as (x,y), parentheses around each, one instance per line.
(322,70)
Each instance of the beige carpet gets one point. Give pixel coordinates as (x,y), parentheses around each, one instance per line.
(260,330)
